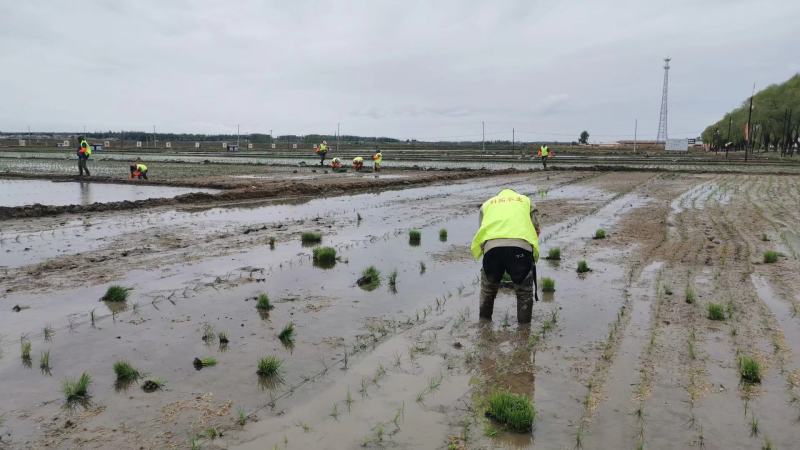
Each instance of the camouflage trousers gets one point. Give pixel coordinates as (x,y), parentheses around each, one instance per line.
(524,291)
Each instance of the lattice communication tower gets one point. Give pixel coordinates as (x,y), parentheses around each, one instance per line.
(662,118)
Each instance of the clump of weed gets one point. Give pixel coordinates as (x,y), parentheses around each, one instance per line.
(393,281)
(262,303)
(716,311)
(25,351)
(749,370)
(153,384)
(690,297)
(583,266)
(286,335)
(125,372)
(770,256)
(44,362)
(311,238)
(370,279)
(269,366)
(600,234)
(209,361)
(414,237)
(554,254)
(77,390)
(116,294)
(443,235)
(514,411)
(324,257)
(548,285)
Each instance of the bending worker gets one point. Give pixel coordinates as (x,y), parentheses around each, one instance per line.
(544,153)
(377,158)
(138,170)
(508,239)
(84,152)
(358,163)
(322,150)
(336,163)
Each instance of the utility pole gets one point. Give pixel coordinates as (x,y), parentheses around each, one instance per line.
(337,137)
(154,137)
(483,136)
(512,140)
(237,136)
(728,140)
(749,126)
(635,132)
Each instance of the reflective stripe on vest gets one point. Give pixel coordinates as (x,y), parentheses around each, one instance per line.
(506,216)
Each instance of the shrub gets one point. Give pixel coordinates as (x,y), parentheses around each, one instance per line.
(269,366)
(554,254)
(770,256)
(583,266)
(262,303)
(443,235)
(311,237)
(370,279)
(116,294)
(125,372)
(749,370)
(414,237)
(516,412)
(600,234)
(324,256)
(75,390)
(716,311)
(548,285)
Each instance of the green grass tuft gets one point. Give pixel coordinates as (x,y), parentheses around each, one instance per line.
(116,294)
(770,256)
(77,390)
(554,254)
(548,285)
(600,234)
(414,237)
(370,279)
(287,334)
(716,311)
(749,370)
(443,235)
(311,237)
(514,411)
(690,297)
(263,304)
(269,366)
(583,266)
(126,373)
(324,257)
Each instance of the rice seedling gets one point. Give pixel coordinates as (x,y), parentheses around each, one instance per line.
(241,416)
(753,426)
(269,366)
(92,316)
(335,412)
(443,235)
(324,257)
(364,387)
(194,442)
(770,256)
(310,237)
(548,285)
(209,361)
(125,372)
(583,266)
(222,336)
(286,335)
(25,351)
(393,281)
(600,234)
(153,384)
(271,242)
(212,433)
(514,411)
(767,445)
(77,390)
(749,370)
(44,362)
(262,303)
(358,217)
(349,400)
(370,279)
(421,267)
(716,311)
(764,237)
(48,333)
(414,237)
(115,294)
(554,254)
(208,333)
(690,297)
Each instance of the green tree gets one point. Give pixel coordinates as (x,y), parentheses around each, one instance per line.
(584,139)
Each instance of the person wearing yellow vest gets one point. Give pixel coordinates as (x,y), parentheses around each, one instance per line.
(322,150)
(508,240)
(138,170)
(358,163)
(544,153)
(377,158)
(84,152)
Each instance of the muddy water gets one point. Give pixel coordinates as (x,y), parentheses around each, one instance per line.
(28,192)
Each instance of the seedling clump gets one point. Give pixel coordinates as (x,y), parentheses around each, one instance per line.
(155,384)
(749,370)
(548,285)
(77,390)
(716,311)
(514,411)
(324,257)
(311,237)
(199,363)
(44,362)
(25,351)
(690,298)
(223,338)
(414,237)
(272,243)
(600,234)
(287,335)
(393,281)
(126,373)
(443,235)
(554,254)
(583,267)
(116,294)
(269,366)
(770,256)
(370,279)
(262,303)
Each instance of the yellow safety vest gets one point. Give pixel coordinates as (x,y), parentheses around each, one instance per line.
(141,168)
(378,157)
(506,216)
(87,148)
(545,151)
(323,148)
(358,159)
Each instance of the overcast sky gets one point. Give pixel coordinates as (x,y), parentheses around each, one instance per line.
(406,69)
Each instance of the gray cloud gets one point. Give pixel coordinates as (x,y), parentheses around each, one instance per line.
(406,69)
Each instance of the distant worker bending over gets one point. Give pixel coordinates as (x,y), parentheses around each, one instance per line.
(322,150)
(358,163)
(336,163)
(377,158)
(544,153)
(84,152)
(508,239)
(138,170)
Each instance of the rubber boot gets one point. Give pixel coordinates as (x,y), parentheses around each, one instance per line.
(524,293)
(488,294)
